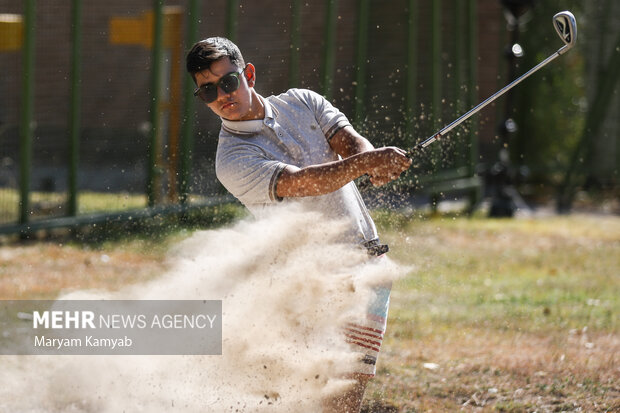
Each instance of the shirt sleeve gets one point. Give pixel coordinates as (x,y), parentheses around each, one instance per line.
(329,118)
(248,174)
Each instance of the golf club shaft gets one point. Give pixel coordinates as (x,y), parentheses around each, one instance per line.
(490,99)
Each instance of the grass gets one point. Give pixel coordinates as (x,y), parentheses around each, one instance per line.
(534,275)
(97,202)
(515,315)
(107,256)
(46,204)
(503,315)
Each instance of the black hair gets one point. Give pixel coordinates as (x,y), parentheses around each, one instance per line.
(207,51)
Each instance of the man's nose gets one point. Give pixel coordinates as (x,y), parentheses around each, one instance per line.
(221,93)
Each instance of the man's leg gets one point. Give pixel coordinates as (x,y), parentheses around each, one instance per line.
(351,400)
(366,337)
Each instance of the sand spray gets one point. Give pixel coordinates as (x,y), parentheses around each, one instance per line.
(287,285)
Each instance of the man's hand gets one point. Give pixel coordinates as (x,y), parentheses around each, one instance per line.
(382,165)
(386,164)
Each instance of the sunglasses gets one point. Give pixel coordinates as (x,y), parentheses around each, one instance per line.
(228,83)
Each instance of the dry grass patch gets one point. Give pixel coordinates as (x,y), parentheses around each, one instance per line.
(503,315)
(496,315)
(43,270)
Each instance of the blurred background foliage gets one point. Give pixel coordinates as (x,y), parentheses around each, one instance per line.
(551,108)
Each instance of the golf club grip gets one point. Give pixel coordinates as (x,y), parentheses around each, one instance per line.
(364,181)
(420,146)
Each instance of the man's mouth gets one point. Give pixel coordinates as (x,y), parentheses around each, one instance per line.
(227,105)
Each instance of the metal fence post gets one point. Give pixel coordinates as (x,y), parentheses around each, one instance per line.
(152,189)
(436,72)
(363,12)
(459,20)
(232,7)
(412,68)
(329,59)
(436,78)
(187,134)
(293,79)
(74,106)
(26,118)
(472,52)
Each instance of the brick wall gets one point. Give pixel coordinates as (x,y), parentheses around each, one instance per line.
(116,79)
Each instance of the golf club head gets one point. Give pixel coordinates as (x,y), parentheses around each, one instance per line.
(566,26)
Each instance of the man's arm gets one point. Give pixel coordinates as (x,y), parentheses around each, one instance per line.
(347,142)
(382,165)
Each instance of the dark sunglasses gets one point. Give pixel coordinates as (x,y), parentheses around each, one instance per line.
(228,83)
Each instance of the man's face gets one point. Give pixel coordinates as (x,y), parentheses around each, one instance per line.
(237,105)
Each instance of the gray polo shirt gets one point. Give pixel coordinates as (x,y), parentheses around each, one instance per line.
(295,131)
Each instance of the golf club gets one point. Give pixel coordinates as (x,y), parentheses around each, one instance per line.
(566,27)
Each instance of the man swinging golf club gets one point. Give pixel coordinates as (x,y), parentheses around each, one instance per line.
(297,147)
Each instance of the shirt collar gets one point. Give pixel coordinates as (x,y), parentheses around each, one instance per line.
(249,127)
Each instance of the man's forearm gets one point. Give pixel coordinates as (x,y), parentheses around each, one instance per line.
(320,179)
(386,163)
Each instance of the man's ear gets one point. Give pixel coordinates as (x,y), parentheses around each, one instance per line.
(250,74)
